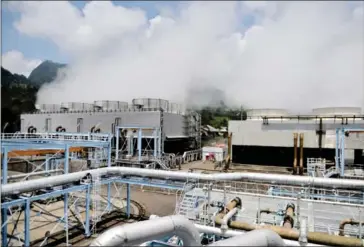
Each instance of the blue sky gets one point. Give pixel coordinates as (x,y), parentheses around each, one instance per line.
(35,48)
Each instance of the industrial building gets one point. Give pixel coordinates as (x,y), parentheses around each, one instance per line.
(267,136)
(176,126)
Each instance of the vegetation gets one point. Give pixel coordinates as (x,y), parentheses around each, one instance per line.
(46,72)
(219,116)
(18,95)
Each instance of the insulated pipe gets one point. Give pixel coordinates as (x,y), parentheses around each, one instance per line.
(18,176)
(348,222)
(295,137)
(261,237)
(301,154)
(291,234)
(304,181)
(227,217)
(233,233)
(144,231)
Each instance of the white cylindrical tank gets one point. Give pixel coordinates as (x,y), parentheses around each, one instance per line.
(336,111)
(111,105)
(151,103)
(77,106)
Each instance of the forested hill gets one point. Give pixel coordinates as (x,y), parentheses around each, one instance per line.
(46,72)
(18,96)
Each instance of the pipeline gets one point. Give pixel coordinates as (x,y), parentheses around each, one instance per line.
(291,234)
(295,137)
(144,231)
(304,181)
(348,222)
(261,237)
(32,174)
(301,154)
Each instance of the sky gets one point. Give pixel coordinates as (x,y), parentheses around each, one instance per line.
(260,54)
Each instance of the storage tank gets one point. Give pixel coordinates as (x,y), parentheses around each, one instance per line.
(336,111)
(111,105)
(48,107)
(259,113)
(150,103)
(175,108)
(77,106)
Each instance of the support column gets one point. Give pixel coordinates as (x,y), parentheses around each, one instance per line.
(117,133)
(27,223)
(88,199)
(337,160)
(109,185)
(342,153)
(66,158)
(128,201)
(4,228)
(4,171)
(155,148)
(139,144)
(65,212)
(47,162)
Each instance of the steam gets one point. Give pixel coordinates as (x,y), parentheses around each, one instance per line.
(296,55)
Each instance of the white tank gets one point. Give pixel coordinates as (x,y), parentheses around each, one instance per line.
(150,103)
(338,111)
(48,107)
(267,113)
(111,105)
(77,106)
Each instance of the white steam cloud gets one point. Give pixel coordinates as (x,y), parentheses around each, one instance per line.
(296,55)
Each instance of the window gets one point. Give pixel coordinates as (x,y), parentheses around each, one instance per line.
(48,125)
(79,125)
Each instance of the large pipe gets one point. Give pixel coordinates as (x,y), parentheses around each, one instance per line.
(292,234)
(261,237)
(233,233)
(32,174)
(304,181)
(348,222)
(228,217)
(295,137)
(144,231)
(301,154)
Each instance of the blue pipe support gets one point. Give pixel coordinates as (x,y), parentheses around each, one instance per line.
(109,185)
(66,158)
(5,166)
(342,156)
(88,200)
(27,224)
(47,162)
(337,160)
(65,211)
(139,145)
(128,200)
(155,137)
(117,136)
(4,227)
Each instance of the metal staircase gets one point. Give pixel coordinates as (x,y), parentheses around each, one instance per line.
(187,204)
(330,172)
(161,163)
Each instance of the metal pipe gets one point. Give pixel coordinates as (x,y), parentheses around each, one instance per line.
(295,137)
(227,217)
(261,237)
(18,176)
(348,222)
(144,231)
(233,233)
(312,237)
(304,181)
(301,154)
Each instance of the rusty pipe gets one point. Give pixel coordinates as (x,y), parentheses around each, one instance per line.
(288,220)
(295,140)
(301,154)
(348,222)
(292,234)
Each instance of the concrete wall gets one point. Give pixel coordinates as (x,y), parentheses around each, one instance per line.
(279,133)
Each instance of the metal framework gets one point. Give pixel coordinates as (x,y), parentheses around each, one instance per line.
(129,133)
(340,148)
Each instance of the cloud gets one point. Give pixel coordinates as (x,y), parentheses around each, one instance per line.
(15,62)
(296,55)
